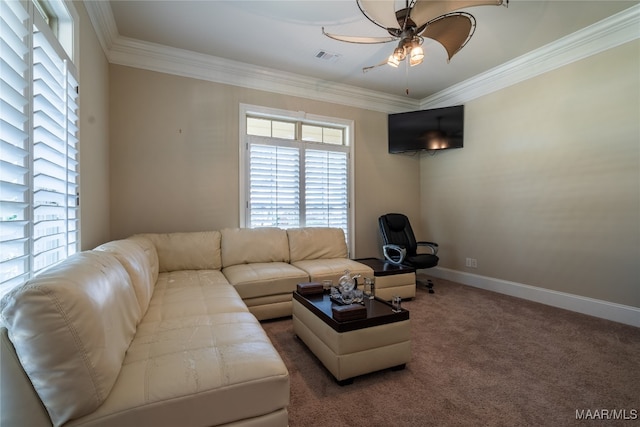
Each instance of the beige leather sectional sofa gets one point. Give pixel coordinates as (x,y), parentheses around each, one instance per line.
(160,330)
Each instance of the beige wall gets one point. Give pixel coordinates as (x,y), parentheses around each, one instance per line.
(546,191)
(94,136)
(174,156)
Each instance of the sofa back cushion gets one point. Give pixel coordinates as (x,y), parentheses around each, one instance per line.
(316,243)
(198,250)
(249,245)
(71,327)
(139,257)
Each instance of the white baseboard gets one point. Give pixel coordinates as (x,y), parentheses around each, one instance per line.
(604,309)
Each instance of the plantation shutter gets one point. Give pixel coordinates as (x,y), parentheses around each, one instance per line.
(38,147)
(274,186)
(14,145)
(54,153)
(326,198)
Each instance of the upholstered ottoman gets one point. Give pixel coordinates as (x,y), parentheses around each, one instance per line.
(392,279)
(349,349)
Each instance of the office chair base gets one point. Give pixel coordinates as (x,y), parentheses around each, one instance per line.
(428,284)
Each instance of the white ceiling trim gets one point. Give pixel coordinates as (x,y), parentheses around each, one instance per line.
(606,34)
(103,22)
(611,32)
(150,56)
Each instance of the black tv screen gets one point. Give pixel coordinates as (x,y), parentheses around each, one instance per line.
(435,129)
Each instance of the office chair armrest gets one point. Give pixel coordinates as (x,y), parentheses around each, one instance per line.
(431,245)
(394,254)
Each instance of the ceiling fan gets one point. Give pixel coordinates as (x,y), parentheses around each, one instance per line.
(434,19)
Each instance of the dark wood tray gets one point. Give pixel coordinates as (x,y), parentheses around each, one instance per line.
(378,312)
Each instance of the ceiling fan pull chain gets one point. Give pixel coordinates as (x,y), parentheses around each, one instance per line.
(407,75)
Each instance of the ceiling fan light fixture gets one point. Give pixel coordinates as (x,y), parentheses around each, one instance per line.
(417,54)
(399,54)
(441,21)
(413,62)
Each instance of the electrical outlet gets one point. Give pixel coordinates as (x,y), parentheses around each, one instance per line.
(471,263)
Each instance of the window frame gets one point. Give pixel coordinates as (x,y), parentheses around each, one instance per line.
(299,117)
(66,29)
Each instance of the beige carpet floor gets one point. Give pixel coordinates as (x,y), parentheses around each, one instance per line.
(478,359)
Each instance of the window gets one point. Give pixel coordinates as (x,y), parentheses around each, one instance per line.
(295,170)
(38,142)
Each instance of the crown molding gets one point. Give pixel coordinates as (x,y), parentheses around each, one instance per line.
(154,57)
(606,34)
(611,32)
(103,23)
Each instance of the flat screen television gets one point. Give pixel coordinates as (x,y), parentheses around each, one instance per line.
(425,130)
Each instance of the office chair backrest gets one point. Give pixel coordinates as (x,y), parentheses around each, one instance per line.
(396,230)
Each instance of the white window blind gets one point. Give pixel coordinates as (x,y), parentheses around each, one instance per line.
(39,156)
(54,153)
(14,144)
(274,193)
(326,189)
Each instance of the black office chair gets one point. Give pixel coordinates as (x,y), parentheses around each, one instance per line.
(400,246)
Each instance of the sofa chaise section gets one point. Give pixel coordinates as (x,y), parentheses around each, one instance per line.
(133,335)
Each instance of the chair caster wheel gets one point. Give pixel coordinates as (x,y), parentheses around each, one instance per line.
(430,286)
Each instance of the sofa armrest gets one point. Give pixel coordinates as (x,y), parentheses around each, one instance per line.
(18,399)
(74,356)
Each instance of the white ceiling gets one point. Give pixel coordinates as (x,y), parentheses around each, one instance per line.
(287,35)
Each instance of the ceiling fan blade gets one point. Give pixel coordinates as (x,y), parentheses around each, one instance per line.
(427,10)
(371,67)
(357,39)
(380,12)
(452,31)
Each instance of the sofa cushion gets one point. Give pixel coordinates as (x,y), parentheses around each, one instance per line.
(187,251)
(324,269)
(197,356)
(192,292)
(249,245)
(139,257)
(262,279)
(316,243)
(71,327)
